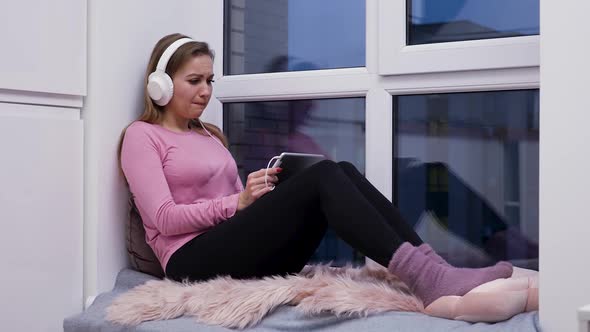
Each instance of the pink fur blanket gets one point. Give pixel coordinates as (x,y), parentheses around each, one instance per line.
(244,303)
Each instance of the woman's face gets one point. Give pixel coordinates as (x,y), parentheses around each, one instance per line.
(192,88)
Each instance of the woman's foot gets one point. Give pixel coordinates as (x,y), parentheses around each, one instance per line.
(429,279)
(427,250)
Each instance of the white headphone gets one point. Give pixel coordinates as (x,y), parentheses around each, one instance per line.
(160,87)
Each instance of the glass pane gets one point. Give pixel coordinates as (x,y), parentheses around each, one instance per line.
(467,174)
(264,36)
(257,131)
(436,21)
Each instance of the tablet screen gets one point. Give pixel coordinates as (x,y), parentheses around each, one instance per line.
(293,163)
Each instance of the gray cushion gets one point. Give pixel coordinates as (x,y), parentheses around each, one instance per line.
(287,318)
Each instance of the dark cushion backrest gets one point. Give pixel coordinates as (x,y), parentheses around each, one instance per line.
(141,255)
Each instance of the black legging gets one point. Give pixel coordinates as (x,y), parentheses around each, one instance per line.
(280,231)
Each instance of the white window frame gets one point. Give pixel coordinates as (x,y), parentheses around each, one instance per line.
(395,57)
(378,90)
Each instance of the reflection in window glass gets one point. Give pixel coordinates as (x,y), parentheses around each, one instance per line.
(257,131)
(436,21)
(264,36)
(466,174)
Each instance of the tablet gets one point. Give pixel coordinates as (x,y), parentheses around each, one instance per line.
(293,163)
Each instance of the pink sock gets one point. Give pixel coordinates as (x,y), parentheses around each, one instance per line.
(430,280)
(427,250)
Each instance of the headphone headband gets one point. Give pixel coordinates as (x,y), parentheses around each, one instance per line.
(163,62)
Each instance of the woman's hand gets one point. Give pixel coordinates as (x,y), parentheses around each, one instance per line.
(256,186)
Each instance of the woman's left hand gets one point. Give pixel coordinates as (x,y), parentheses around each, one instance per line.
(256,186)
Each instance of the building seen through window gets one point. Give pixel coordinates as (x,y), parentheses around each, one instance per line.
(467,174)
(434,21)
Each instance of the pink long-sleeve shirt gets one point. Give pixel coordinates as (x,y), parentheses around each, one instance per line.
(183,184)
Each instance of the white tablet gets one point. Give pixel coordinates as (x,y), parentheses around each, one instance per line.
(293,163)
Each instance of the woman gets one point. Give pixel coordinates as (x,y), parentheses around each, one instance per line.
(201,222)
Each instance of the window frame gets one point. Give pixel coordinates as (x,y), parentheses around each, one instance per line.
(396,57)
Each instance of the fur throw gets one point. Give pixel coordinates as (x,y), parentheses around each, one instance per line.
(244,303)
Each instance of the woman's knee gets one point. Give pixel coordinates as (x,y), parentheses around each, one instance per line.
(347,166)
(331,167)
(322,169)
(326,165)
(350,170)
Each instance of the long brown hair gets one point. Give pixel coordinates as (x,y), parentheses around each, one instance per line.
(153,113)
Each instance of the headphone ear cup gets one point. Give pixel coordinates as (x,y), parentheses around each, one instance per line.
(160,87)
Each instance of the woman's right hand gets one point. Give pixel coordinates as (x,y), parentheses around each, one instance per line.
(256,186)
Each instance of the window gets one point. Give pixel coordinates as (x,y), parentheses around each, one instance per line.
(466,174)
(434,21)
(279,35)
(257,131)
(457,35)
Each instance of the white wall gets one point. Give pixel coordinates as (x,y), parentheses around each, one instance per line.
(42,84)
(43,46)
(564,163)
(121,36)
(41,217)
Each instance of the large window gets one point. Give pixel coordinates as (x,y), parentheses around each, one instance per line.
(466,174)
(436,102)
